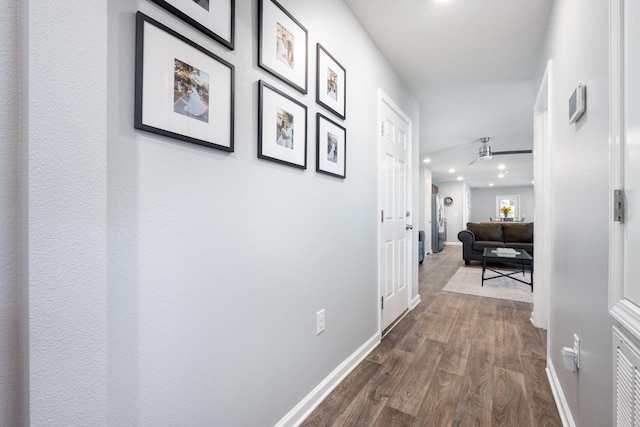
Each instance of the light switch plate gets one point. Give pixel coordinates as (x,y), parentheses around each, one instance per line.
(576,347)
(320,322)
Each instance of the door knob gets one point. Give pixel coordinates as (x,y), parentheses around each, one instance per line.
(408,227)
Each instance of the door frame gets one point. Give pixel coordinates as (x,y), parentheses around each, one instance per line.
(543,249)
(411,251)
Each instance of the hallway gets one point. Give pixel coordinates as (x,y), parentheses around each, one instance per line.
(454,360)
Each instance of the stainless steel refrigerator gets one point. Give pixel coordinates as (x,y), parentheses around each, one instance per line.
(438,226)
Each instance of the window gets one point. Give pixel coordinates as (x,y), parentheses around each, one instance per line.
(507,207)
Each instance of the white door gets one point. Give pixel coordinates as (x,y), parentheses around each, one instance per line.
(625,167)
(395,221)
(631,138)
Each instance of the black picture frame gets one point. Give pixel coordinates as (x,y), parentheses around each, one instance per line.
(331,83)
(215,18)
(283,45)
(185,111)
(331,147)
(282,124)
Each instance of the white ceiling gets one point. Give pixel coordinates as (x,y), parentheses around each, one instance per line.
(470,64)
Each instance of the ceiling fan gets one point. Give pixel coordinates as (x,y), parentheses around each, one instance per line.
(485,153)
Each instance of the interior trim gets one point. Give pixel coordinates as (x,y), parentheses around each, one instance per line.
(311,401)
(558,396)
(543,192)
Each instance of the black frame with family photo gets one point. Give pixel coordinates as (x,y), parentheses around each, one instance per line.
(215,18)
(283,45)
(199,106)
(282,125)
(331,147)
(331,83)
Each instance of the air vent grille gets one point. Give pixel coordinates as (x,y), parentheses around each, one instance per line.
(627,385)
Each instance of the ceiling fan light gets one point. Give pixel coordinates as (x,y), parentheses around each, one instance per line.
(484,153)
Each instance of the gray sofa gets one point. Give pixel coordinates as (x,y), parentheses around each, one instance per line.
(477,236)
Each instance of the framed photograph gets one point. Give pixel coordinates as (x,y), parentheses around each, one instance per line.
(282,45)
(282,128)
(331,147)
(215,18)
(183,91)
(331,83)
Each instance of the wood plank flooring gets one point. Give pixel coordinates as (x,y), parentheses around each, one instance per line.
(455,360)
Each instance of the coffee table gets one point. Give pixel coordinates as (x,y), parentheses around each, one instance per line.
(519,257)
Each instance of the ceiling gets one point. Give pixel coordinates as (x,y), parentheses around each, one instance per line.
(470,64)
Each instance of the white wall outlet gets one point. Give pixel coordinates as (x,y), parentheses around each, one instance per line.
(320,322)
(569,358)
(571,355)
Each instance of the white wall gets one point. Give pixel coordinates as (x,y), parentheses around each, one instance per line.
(483,202)
(171,283)
(66,209)
(13,313)
(580,152)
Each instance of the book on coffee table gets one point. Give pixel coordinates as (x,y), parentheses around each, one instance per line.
(506,252)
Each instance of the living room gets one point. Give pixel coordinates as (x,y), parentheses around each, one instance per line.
(478,205)
(478,218)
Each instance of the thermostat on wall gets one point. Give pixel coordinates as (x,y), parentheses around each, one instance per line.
(577,103)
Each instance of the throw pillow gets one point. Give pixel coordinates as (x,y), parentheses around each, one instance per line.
(486,232)
(522,233)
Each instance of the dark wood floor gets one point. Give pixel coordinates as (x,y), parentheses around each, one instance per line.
(455,360)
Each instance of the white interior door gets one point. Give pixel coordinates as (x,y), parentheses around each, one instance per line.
(395,220)
(631,137)
(624,224)
(624,230)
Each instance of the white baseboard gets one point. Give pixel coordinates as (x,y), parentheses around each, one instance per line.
(453,243)
(302,410)
(414,302)
(558,396)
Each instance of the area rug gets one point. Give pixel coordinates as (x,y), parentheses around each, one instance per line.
(468,280)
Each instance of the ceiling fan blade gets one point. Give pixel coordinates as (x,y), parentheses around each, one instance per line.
(495,153)
(451,147)
(473,161)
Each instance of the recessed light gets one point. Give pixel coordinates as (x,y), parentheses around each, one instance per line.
(500,175)
(491,184)
(452,170)
(427,160)
(460,178)
(501,167)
